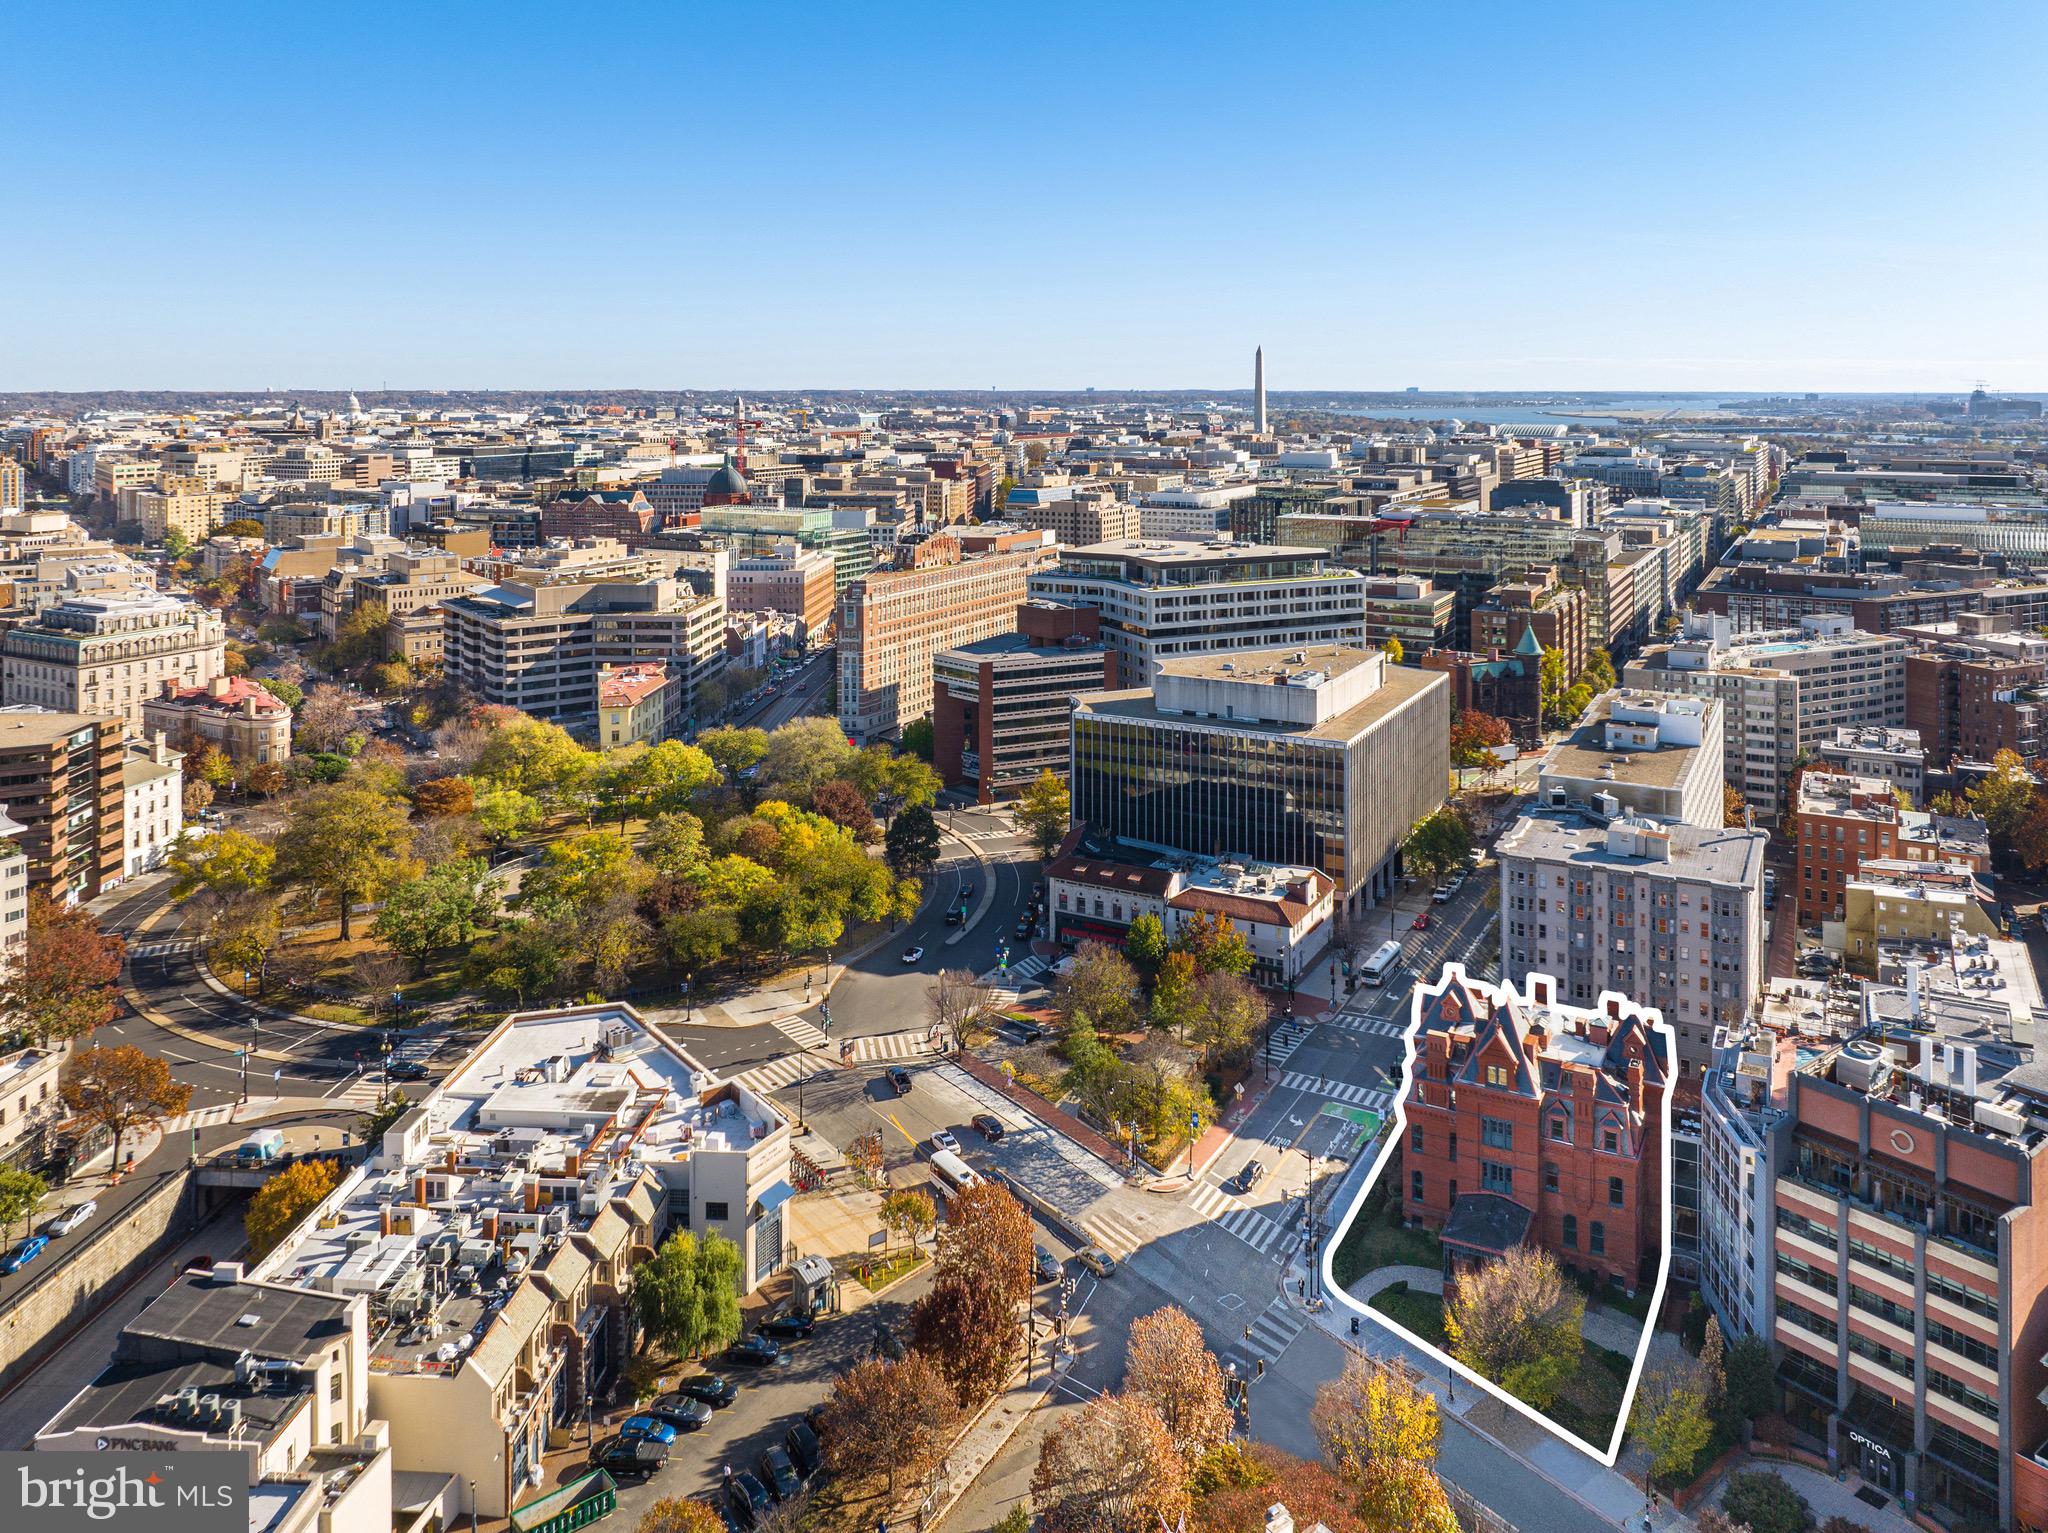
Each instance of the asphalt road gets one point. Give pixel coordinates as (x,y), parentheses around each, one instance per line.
(880,993)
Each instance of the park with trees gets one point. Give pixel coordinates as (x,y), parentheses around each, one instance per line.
(1148,1040)
(674,867)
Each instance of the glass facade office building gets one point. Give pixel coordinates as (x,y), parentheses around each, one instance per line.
(1188,788)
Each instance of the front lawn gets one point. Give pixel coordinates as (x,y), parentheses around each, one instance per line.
(1377,1239)
(1591,1401)
(1420,1314)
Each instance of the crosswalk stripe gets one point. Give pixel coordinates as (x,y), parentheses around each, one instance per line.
(1368,1097)
(804,1034)
(162,948)
(1246,1223)
(777,1073)
(891,1046)
(1384,1027)
(1115,1237)
(1284,1040)
(1274,1331)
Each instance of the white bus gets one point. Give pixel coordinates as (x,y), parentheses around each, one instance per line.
(1382,963)
(953,1172)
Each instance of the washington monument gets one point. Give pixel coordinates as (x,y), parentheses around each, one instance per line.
(1259,390)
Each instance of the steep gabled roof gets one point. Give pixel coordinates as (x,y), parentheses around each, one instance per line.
(1500,1032)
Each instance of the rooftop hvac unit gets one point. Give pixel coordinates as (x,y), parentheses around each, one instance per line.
(1861,1065)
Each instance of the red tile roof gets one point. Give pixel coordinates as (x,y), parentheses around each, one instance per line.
(239,689)
(622,688)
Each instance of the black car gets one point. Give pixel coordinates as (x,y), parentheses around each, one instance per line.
(753,1352)
(748,1497)
(629,1459)
(900,1079)
(683,1415)
(1044,1265)
(804,1450)
(714,1391)
(406,1070)
(990,1125)
(727,1515)
(1250,1177)
(788,1325)
(779,1475)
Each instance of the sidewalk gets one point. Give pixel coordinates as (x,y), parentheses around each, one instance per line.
(977,1447)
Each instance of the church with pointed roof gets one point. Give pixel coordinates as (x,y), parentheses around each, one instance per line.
(1532,1122)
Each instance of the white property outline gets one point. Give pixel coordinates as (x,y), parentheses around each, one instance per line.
(1651,1016)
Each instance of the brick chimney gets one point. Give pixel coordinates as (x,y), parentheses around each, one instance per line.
(218,687)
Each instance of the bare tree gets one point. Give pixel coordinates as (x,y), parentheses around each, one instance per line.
(375,976)
(958,1004)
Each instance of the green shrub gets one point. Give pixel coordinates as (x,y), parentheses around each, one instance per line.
(1765,1502)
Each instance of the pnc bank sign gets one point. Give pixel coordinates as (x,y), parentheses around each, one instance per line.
(125,1492)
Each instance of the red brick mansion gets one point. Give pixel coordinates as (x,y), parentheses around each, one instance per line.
(1533,1122)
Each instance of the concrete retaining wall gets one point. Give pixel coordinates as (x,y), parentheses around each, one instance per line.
(93,1273)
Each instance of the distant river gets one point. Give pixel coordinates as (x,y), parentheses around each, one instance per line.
(1562,412)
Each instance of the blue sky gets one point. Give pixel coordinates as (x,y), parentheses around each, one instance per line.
(1444,195)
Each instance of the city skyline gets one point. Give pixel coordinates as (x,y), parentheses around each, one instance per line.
(572,206)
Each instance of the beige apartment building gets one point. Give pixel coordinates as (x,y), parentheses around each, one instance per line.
(110,476)
(893,623)
(632,705)
(1082,517)
(189,507)
(1782,691)
(106,656)
(216,465)
(410,592)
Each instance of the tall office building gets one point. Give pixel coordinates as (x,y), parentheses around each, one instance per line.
(1162,600)
(1321,757)
(894,623)
(1906,1260)
(539,640)
(1259,390)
